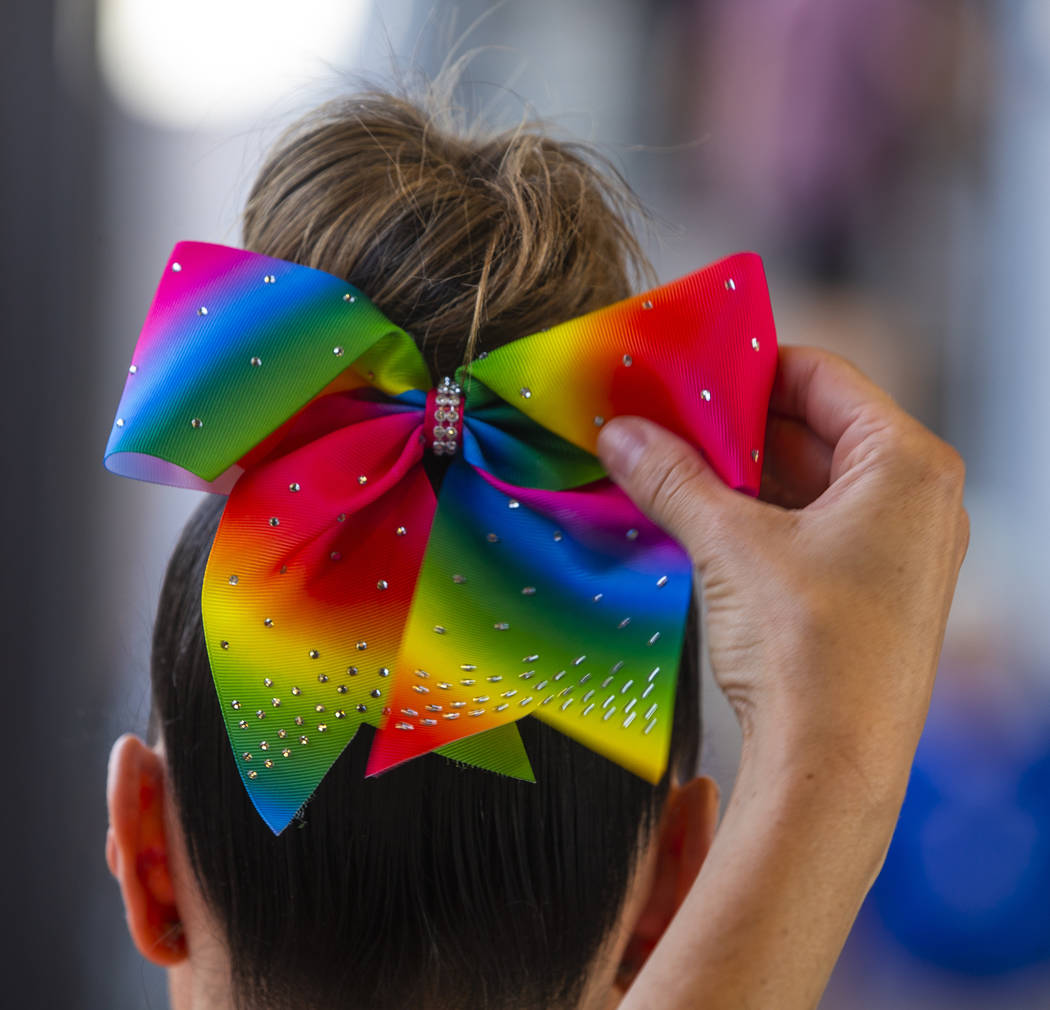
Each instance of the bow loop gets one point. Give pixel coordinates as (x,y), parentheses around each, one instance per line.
(234,344)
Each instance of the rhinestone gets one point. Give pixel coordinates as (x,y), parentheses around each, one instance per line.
(500,708)
(132,369)
(340,714)
(282,733)
(631,534)
(513,504)
(439,629)
(647,304)
(255,362)
(525,393)
(579,660)
(382,584)
(269,279)
(337,351)
(597,597)
(274,521)
(362,480)
(335,556)
(598,420)
(202,311)
(730,285)
(268,762)
(349,298)
(263,745)
(276,702)
(294,486)
(322,678)
(267,682)
(176,267)
(754,455)
(476,712)
(260,714)
(361,646)
(492,538)
(235,704)
(196,423)
(501,626)
(401,531)
(654,638)
(557,536)
(459,579)
(296,691)
(342,689)
(376,693)
(384,671)
(528,590)
(322,727)
(120,422)
(628,360)
(624,623)
(253,774)
(754,343)
(224,644)
(233,580)
(351,671)
(705,394)
(243,724)
(304,739)
(422,673)
(314,654)
(661,582)
(362,708)
(267,622)
(286,752)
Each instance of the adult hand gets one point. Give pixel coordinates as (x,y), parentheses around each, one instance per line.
(826,601)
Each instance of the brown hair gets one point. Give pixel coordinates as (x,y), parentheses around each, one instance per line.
(466,240)
(434,884)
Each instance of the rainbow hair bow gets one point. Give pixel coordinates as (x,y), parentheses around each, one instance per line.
(343,589)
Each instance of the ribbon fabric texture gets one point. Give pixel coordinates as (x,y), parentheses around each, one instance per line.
(343,588)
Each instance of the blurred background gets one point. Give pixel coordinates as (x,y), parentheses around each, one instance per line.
(888,158)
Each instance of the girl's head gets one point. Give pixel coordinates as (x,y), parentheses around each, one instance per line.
(433,885)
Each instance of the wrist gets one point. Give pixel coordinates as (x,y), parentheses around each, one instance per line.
(862,784)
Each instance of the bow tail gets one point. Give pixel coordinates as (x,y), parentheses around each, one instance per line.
(314,563)
(587,598)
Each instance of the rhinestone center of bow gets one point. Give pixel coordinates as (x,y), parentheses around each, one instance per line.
(444,418)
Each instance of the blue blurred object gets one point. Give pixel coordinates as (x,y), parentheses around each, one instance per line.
(966,882)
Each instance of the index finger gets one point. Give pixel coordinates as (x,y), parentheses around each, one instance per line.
(823,390)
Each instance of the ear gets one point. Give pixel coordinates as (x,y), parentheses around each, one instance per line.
(137,850)
(684,838)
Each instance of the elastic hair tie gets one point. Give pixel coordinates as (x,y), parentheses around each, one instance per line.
(341,589)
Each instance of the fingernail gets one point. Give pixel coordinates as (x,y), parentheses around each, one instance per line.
(621,443)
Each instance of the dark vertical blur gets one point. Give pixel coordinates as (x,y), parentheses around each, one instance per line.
(54,682)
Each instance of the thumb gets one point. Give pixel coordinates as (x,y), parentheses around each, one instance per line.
(671,483)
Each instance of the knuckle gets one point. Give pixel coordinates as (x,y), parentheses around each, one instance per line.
(672,495)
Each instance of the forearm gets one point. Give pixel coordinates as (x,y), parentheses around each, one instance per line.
(800,845)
